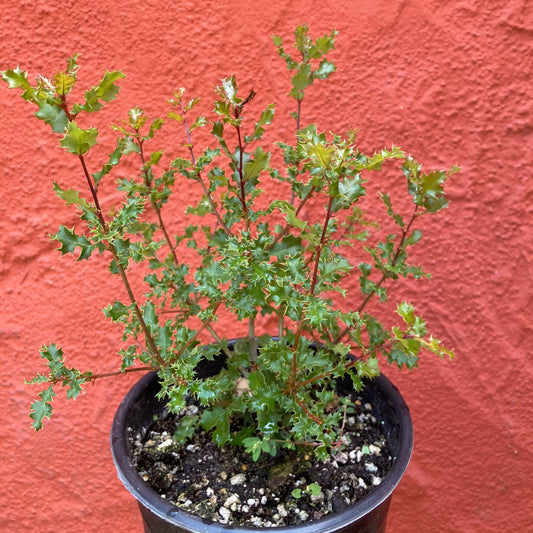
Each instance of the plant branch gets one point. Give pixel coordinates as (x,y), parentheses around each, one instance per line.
(121,372)
(204,325)
(199,178)
(314,280)
(109,245)
(157,208)
(240,170)
(380,282)
(286,229)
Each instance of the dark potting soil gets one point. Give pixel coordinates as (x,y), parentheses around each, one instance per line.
(227,486)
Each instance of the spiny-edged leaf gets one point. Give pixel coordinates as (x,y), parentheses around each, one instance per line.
(63,83)
(199,122)
(117,312)
(114,159)
(301,80)
(77,140)
(18,79)
(70,241)
(387,201)
(407,311)
(324,70)
(260,161)
(376,161)
(70,196)
(41,409)
(52,353)
(427,190)
(150,317)
(53,114)
(163,338)
(402,357)
(266,118)
(350,190)
(290,214)
(435,345)
(72,64)
(368,368)
(156,125)
(105,91)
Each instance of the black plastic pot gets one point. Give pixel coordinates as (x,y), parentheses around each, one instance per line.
(366,516)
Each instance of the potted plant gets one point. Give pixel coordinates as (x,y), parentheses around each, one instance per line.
(282,239)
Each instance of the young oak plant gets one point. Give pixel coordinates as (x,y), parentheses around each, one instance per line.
(254,258)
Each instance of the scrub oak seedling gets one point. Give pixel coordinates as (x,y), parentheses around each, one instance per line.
(306,272)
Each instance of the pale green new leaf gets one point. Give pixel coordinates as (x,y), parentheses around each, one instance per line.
(105,91)
(77,140)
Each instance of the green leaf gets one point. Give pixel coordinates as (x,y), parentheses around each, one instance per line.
(41,409)
(63,83)
(260,161)
(70,196)
(253,446)
(350,189)
(77,140)
(105,91)
(70,241)
(53,115)
(18,79)
(415,236)
(324,70)
(290,214)
(114,159)
(314,489)
(397,218)
(401,357)
(117,312)
(427,190)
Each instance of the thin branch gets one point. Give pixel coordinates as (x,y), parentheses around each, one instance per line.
(204,325)
(111,248)
(157,209)
(122,372)
(199,178)
(380,282)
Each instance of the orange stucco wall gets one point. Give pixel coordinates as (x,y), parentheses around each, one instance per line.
(448,80)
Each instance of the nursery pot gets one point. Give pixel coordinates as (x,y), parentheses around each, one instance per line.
(368,515)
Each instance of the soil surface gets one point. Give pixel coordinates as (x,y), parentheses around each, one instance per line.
(227,486)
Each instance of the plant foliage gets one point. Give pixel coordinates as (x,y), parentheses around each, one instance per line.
(261,260)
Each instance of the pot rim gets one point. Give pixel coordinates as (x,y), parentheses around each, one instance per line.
(147,497)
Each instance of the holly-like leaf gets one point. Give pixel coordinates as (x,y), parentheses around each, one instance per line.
(41,409)
(397,218)
(64,83)
(114,159)
(77,140)
(70,196)
(253,168)
(117,312)
(70,241)
(53,114)
(18,79)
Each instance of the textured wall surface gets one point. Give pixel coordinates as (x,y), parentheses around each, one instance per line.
(448,80)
